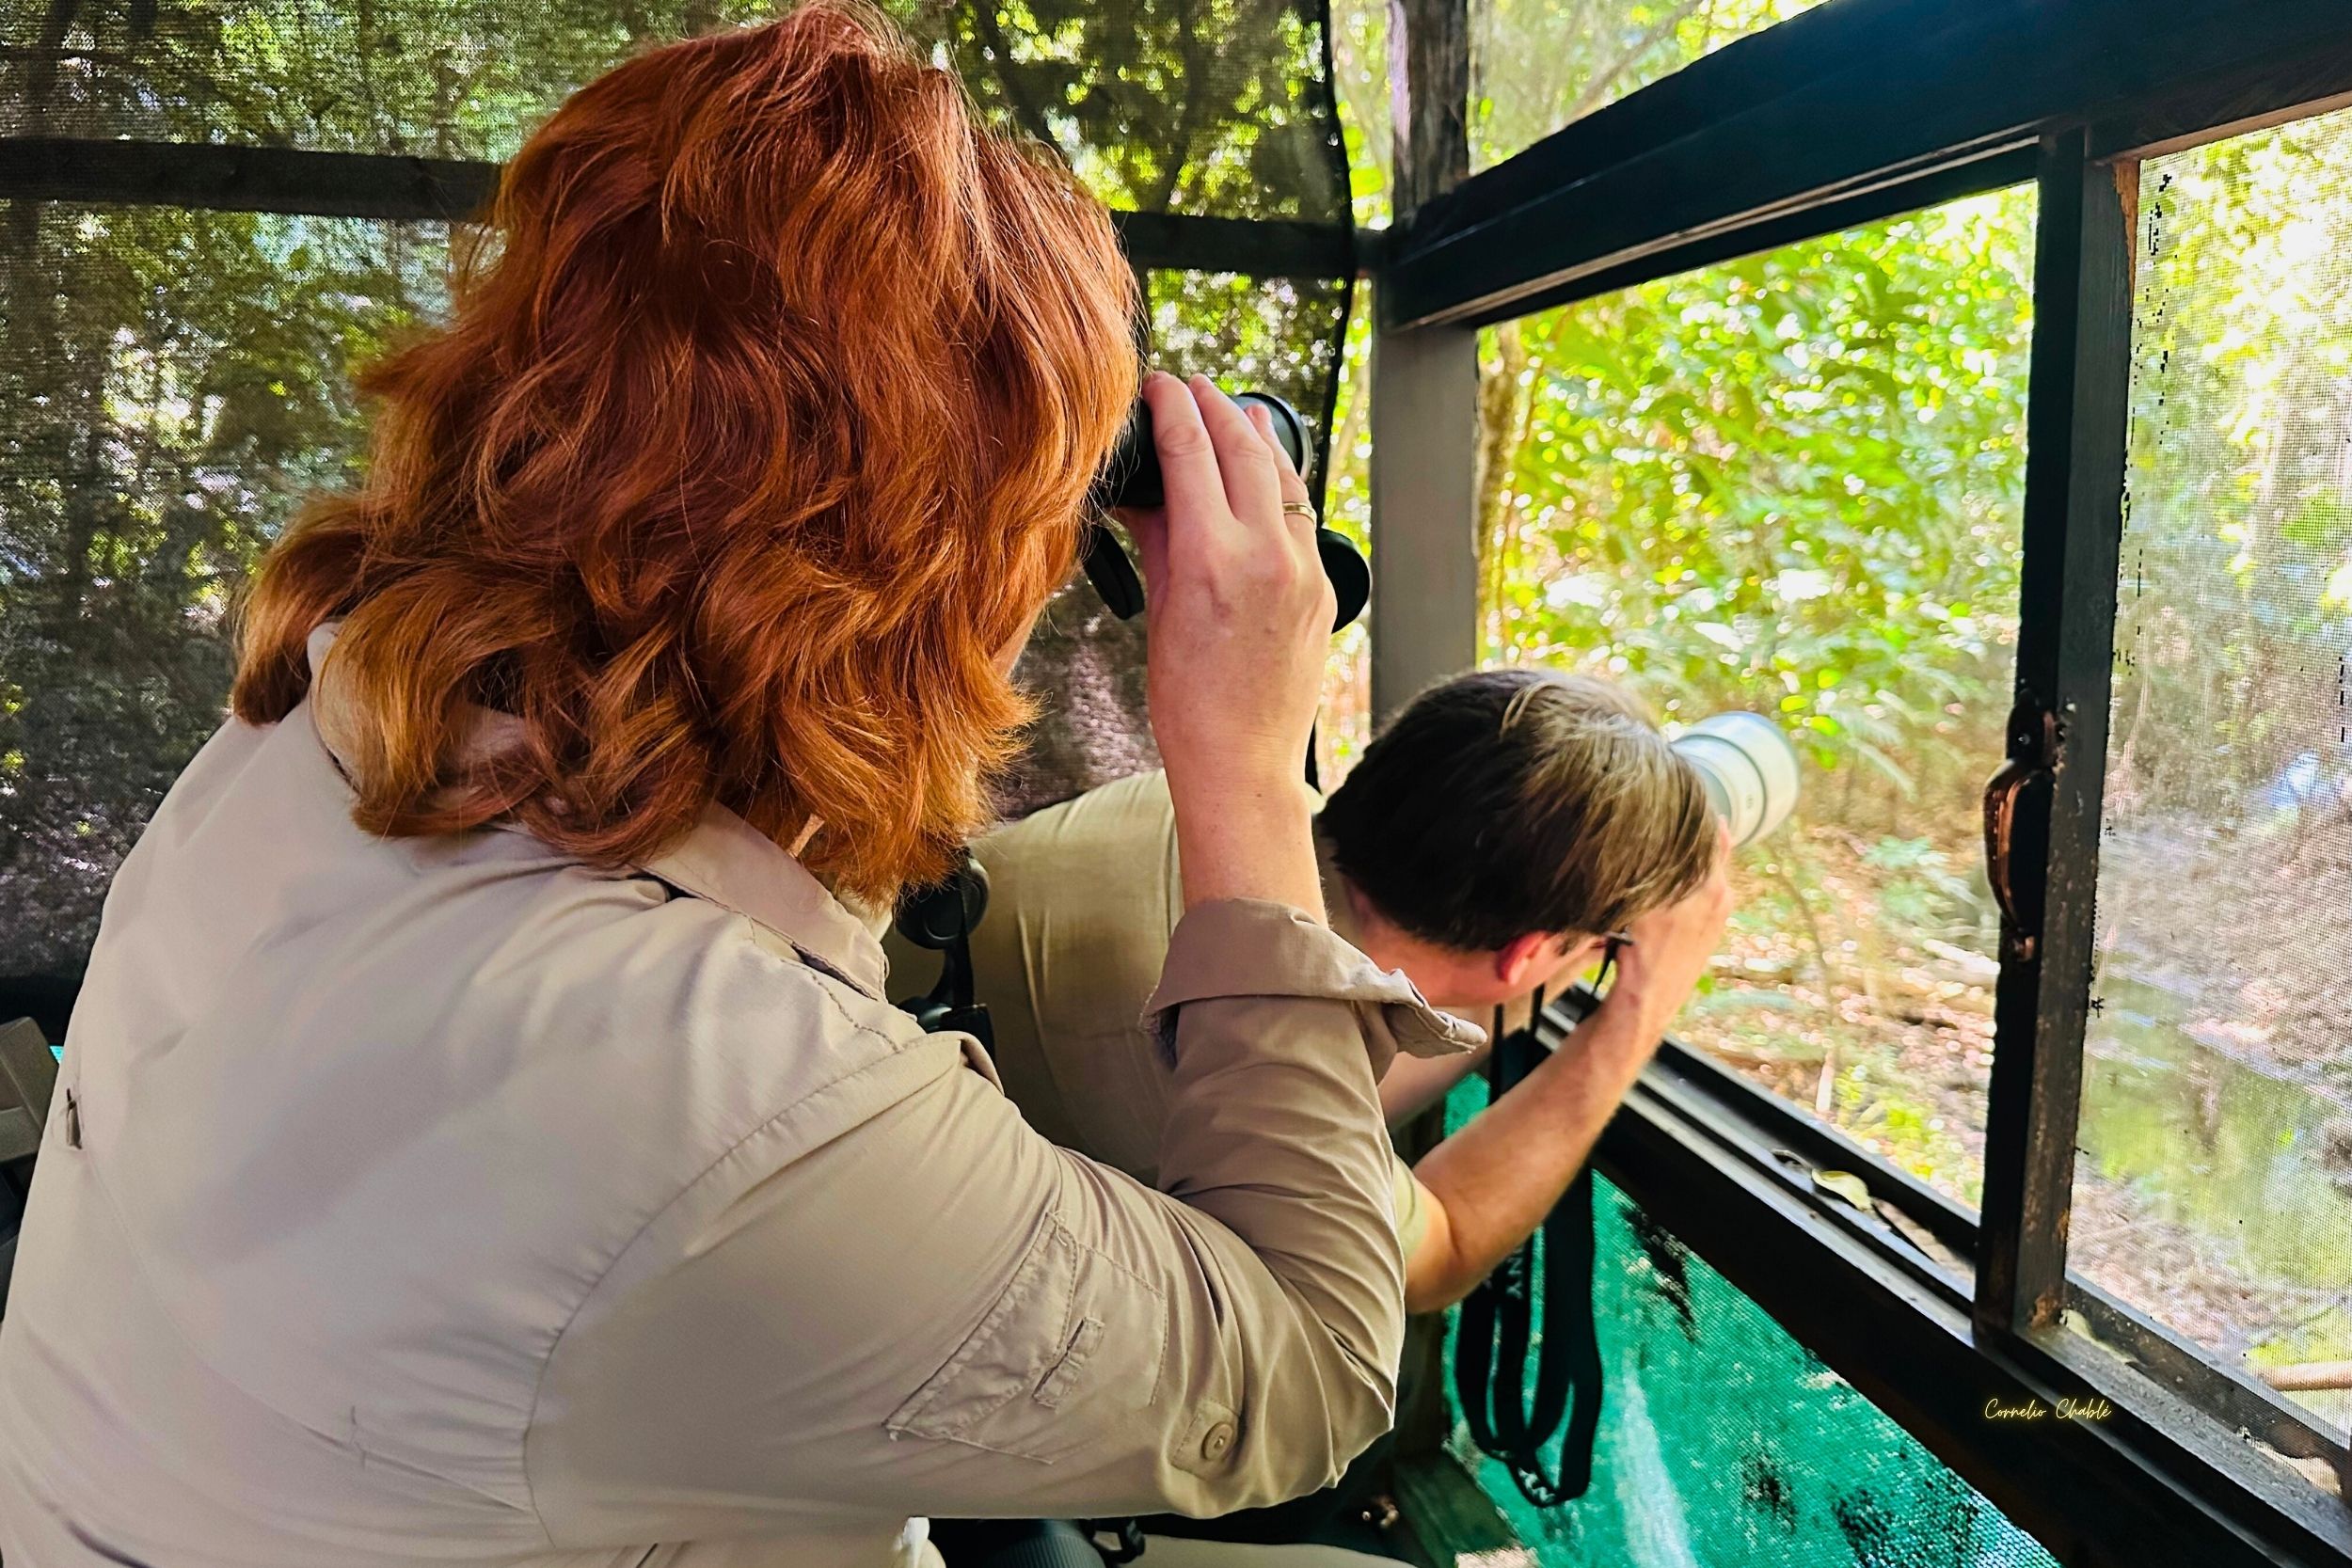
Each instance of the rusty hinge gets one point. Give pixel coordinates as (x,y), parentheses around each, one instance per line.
(2034,741)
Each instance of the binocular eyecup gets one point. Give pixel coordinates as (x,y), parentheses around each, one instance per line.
(1132,478)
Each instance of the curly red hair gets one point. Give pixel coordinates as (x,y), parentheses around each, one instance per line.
(761,427)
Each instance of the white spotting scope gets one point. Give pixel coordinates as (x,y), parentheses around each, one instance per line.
(1749,769)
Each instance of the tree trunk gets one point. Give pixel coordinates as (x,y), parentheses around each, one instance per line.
(1502,411)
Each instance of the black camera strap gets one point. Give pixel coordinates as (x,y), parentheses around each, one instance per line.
(1496,1329)
(941,918)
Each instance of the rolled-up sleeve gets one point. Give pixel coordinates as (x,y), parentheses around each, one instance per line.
(1241,948)
(938,1312)
(1278,1031)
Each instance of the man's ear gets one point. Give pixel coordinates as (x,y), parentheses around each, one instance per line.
(1518,960)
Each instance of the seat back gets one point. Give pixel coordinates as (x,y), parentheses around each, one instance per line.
(28,1077)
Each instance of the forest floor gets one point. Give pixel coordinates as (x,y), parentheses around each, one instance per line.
(2255,936)
(1829,998)
(1858,982)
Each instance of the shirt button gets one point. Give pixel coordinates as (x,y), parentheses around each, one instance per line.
(1219,1439)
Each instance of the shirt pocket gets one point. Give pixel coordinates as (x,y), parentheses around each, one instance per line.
(1068,1355)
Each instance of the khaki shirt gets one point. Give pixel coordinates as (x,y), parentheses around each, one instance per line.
(451,1200)
(1084,899)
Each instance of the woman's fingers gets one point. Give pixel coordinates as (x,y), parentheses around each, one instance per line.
(1294,487)
(1247,467)
(1188,459)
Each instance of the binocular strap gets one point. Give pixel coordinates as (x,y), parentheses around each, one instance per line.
(1495,1331)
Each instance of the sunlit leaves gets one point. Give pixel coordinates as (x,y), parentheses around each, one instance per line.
(1537,64)
(1730,493)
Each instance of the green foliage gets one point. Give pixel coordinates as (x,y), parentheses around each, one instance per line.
(180,384)
(1538,64)
(1919,893)
(1790,484)
(2235,615)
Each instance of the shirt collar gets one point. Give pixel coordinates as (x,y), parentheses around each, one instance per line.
(723,858)
(727,862)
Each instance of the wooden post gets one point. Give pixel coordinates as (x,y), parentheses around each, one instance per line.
(1425,391)
(2043,819)
(1425,555)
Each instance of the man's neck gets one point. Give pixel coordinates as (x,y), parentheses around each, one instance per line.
(1445,977)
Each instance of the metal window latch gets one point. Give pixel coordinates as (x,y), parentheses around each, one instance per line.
(2033,754)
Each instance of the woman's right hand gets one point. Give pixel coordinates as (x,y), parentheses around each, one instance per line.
(1239,617)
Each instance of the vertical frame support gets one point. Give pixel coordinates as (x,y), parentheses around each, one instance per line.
(1424,512)
(2042,810)
(1425,390)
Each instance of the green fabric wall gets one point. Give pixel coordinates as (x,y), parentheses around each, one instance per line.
(1725,1444)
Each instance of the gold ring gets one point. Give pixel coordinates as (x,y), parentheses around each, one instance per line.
(1303,509)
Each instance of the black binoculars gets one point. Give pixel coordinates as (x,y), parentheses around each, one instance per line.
(1132,478)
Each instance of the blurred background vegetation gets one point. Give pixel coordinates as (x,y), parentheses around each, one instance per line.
(175,383)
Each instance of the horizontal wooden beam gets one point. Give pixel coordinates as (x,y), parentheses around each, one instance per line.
(2246,1399)
(1840,102)
(1997,172)
(1253,248)
(246,178)
(439,190)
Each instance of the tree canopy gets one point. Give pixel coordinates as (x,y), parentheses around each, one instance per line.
(177,383)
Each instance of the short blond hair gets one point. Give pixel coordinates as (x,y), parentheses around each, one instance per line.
(1519,800)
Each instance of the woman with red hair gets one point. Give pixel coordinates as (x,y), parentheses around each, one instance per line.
(483,1138)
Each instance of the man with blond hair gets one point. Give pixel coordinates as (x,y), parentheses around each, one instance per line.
(1488,844)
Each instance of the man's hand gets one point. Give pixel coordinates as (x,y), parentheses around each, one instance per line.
(1491,1185)
(1672,948)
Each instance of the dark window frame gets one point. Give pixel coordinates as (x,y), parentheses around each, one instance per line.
(1851,112)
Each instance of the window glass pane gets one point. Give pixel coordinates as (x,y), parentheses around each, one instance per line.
(1537,64)
(2215,1186)
(1791,485)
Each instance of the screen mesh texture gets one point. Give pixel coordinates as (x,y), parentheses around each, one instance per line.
(1217,107)
(1723,1440)
(175,382)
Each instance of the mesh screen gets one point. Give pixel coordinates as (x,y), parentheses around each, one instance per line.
(1088,664)
(1723,1440)
(2214,1188)
(1280,336)
(176,382)
(1207,107)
